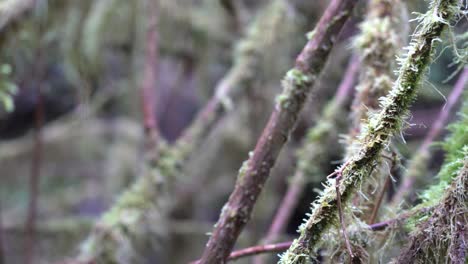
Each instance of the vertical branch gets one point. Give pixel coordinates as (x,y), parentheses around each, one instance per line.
(297,85)
(149,83)
(422,155)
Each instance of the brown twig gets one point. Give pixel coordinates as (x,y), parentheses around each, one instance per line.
(423,153)
(385,187)
(338,174)
(259,250)
(297,85)
(149,76)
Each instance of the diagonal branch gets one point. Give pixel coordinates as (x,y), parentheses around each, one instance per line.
(310,152)
(297,85)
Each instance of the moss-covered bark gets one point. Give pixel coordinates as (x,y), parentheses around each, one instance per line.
(374,138)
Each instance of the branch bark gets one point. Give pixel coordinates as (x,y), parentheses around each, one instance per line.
(297,85)
(308,154)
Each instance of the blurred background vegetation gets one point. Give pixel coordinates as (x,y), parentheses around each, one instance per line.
(79,64)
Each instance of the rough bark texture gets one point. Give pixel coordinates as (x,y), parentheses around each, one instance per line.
(253,174)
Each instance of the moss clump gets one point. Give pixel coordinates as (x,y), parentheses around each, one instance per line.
(456,148)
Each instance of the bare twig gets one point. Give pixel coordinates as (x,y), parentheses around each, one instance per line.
(253,174)
(421,156)
(149,75)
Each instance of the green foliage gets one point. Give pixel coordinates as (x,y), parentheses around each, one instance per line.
(456,148)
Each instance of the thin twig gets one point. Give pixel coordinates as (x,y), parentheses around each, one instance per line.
(386,185)
(149,75)
(297,85)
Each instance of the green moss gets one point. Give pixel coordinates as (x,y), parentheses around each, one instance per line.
(456,147)
(372,140)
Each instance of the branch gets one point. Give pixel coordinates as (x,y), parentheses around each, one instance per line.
(378,132)
(314,148)
(418,164)
(297,85)
(255,250)
(149,75)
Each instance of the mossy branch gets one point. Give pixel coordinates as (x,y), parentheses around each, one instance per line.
(442,236)
(418,163)
(297,84)
(377,45)
(313,152)
(379,130)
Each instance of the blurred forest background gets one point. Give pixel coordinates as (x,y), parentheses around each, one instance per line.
(98,96)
